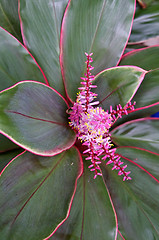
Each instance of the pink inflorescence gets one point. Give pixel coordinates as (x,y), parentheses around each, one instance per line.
(92,126)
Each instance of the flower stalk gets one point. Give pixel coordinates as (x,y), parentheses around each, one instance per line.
(92,125)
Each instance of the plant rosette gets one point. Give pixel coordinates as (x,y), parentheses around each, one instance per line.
(80,152)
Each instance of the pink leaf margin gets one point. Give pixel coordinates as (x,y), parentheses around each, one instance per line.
(144,72)
(61,51)
(61,48)
(24,46)
(48,153)
(11,162)
(113,207)
(133,121)
(128,34)
(138,165)
(71,201)
(138,148)
(137,50)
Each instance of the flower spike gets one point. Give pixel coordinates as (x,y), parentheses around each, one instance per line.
(92,125)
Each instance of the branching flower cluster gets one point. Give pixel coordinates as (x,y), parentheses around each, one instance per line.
(92,125)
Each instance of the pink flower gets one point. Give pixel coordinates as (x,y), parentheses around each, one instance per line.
(92,125)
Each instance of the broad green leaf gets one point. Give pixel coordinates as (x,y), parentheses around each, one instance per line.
(91,215)
(146,23)
(118,85)
(16,63)
(36,193)
(41,23)
(11,71)
(136,202)
(9,18)
(6,157)
(101,27)
(142,133)
(146,58)
(34,116)
(147,94)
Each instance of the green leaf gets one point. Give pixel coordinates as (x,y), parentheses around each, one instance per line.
(41,23)
(142,133)
(147,94)
(9,18)
(118,85)
(34,116)
(101,27)
(91,213)
(146,23)
(12,71)
(146,58)
(136,202)
(36,193)
(16,64)
(6,157)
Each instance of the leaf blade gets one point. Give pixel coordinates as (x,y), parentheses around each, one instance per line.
(90,33)
(34,117)
(91,213)
(118,85)
(137,211)
(31,187)
(41,36)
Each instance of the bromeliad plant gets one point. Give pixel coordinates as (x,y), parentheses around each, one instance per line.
(51,189)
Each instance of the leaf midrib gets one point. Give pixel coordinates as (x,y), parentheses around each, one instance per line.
(34,118)
(37,188)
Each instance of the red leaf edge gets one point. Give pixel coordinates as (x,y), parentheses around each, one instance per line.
(144,72)
(25,46)
(136,51)
(135,120)
(128,34)
(48,153)
(61,52)
(111,201)
(11,162)
(138,165)
(121,235)
(71,201)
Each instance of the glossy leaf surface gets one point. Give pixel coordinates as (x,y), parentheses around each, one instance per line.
(11,71)
(34,116)
(101,27)
(31,187)
(136,201)
(9,18)
(118,85)
(147,94)
(146,58)
(91,213)
(41,23)
(143,133)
